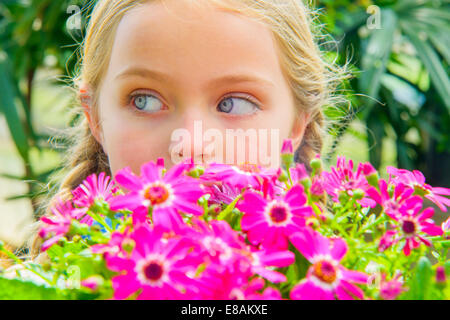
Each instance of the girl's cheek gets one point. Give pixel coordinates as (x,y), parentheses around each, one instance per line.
(133,145)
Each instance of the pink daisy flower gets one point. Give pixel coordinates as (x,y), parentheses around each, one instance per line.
(411,227)
(343,179)
(232,283)
(389,290)
(287,147)
(416,180)
(58,225)
(251,292)
(263,261)
(93,189)
(402,200)
(219,242)
(158,267)
(298,173)
(222,193)
(271,222)
(166,195)
(224,245)
(326,278)
(242,176)
(115,246)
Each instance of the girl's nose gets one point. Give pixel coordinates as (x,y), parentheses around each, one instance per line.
(188,141)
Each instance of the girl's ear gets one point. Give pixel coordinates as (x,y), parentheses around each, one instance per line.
(298,129)
(94,123)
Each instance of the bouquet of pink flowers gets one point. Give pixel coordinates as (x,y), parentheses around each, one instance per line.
(247,232)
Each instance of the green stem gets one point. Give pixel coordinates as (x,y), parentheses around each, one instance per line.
(224,214)
(100,220)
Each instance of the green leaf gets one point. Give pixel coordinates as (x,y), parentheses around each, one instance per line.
(439,40)
(421,283)
(14,289)
(8,108)
(433,65)
(224,214)
(375,57)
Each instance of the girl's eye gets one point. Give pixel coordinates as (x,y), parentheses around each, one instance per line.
(238,106)
(147,103)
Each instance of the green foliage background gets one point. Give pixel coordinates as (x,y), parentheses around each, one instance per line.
(398,52)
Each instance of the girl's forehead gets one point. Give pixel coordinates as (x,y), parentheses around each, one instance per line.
(185,42)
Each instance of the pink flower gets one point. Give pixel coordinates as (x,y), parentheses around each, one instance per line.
(92,283)
(242,176)
(271,222)
(93,189)
(317,188)
(411,227)
(115,246)
(416,180)
(326,279)
(440,275)
(298,173)
(262,262)
(158,266)
(250,292)
(287,147)
(257,284)
(224,282)
(343,179)
(401,202)
(232,283)
(222,193)
(166,195)
(57,225)
(368,169)
(389,290)
(224,245)
(218,241)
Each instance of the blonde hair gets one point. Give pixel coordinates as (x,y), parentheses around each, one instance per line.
(310,77)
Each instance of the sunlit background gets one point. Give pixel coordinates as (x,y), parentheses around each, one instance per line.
(398,51)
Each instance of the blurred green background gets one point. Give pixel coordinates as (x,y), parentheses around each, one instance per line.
(399,98)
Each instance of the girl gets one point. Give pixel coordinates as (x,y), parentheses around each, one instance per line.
(150,67)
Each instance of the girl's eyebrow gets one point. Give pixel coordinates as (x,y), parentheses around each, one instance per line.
(162,77)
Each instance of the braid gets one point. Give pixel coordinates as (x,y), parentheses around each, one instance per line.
(312,142)
(85,157)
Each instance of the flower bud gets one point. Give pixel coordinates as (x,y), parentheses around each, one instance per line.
(358,194)
(312,222)
(287,147)
(287,153)
(287,159)
(306,183)
(316,164)
(128,245)
(343,197)
(373,179)
(283,177)
(62,241)
(93,282)
(441,278)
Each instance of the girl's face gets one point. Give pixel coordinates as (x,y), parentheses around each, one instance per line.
(200,69)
